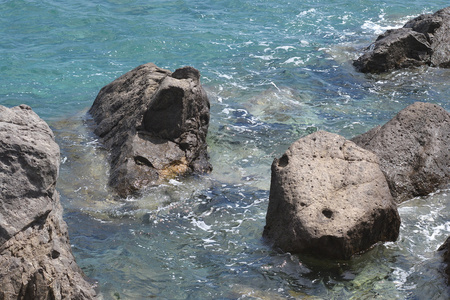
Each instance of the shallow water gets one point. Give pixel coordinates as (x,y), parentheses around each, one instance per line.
(200,238)
(274,71)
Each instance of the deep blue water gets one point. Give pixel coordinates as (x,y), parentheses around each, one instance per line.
(274,71)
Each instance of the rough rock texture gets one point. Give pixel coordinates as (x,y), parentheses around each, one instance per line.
(36,260)
(328,197)
(445,249)
(424,40)
(155,123)
(413,149)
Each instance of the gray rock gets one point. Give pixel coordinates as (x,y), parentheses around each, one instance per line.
(154,123)
(424,40)
(445,252)
(36,260)
(28,169)
(413,149)
(328,197)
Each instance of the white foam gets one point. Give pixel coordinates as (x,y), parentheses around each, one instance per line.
(175,182)
(272,83)
(376,28)
(294,60)
(305,12)
(286,48)
(225,76)
(201,224)
(208,241)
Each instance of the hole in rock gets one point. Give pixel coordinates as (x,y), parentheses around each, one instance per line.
(327,213)
(283,161)
(55,254)
(142,161)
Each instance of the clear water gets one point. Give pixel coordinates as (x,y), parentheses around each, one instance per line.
(274,72)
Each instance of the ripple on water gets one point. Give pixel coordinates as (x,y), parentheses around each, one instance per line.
(272,75)
(203,233)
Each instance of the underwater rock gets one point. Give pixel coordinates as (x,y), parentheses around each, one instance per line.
(445,249)
(329,198)
(36,260)
(413,148)
(154,123)
(424,40)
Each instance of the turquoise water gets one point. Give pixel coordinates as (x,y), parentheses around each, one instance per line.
(274,71)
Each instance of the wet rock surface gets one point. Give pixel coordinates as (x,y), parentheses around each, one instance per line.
(36,261)
(329,198)
(154,123)
(424,40)
(445,252)
(413,148)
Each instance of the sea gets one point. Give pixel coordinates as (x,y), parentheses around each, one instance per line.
(274,71)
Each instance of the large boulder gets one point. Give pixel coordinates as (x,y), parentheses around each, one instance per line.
(36,260)
(154,123)
(413,149)
(328,197)
(444,249)
(424,40)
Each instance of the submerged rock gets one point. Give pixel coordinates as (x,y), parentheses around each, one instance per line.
(328,197)
(413,149)
(36,260)
(445,250)
(424,40)
(154,123)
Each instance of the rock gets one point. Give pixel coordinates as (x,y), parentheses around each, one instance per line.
(445,251)
(29,168)
(424,40)
(328,197)
(413,149)
(36,260)
(154,123)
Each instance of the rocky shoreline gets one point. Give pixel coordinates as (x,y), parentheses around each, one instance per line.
(329,197)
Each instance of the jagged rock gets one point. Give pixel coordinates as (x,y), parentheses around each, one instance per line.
(424,40)
(29,168)
(155,123)
(445,251)
(413,149)
(328,197)
(36,260)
